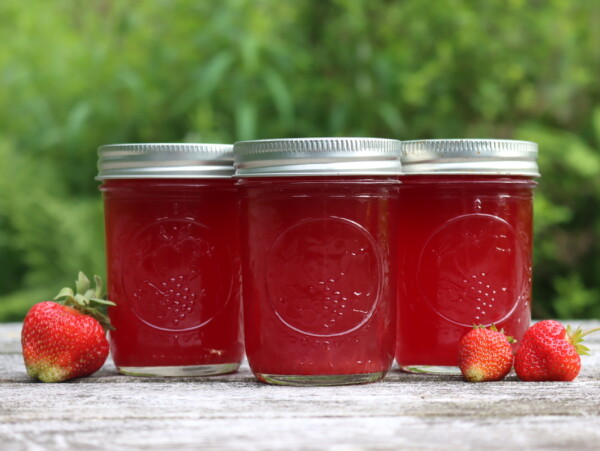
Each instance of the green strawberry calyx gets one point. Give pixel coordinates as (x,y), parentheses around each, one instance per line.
(87,300)
(493,328)
(576,339)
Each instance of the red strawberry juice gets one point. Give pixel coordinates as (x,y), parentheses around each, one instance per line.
(318,262)
(465,251)
(174,272)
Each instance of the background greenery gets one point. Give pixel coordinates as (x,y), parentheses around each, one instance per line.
(77,74)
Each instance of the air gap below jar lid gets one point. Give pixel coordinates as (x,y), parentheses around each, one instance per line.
(470,156)
(163,160)
(317,157)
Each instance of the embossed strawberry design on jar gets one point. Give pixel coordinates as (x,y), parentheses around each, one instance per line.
(329,295)
(175,257)
(466,270)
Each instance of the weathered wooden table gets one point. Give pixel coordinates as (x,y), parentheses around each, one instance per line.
(110,411)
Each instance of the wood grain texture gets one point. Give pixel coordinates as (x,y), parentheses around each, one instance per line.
(109,411)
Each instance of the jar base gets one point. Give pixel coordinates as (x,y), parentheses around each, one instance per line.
(431,370)
(178,371)
(320,380)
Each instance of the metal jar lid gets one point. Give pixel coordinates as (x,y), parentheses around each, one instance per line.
(470,156)
(317,157)
(151,161)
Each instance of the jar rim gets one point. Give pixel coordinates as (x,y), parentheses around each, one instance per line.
(327,156)
(164,160)
(470,156)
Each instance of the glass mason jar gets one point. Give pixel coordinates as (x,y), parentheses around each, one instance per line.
(173,263)
(318,244)
(465,245)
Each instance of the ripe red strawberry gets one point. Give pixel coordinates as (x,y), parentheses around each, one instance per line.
(485,354)
(66,340)
(549,352)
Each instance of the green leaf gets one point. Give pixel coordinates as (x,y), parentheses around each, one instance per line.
(596,125)
(99,291)
(65,292)
(103,301)
(245,116)
(82,284)
(81,299)
(280,94)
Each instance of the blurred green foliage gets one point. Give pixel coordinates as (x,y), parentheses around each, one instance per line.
(76,74)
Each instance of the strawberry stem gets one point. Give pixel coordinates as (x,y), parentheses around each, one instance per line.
(87,300)
(576,338)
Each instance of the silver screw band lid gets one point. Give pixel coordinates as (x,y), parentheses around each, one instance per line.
(470,156)
(163,160)
(317,157)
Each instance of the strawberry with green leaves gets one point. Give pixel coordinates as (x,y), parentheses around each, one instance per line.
(67,339)
(549,352)
(485,354)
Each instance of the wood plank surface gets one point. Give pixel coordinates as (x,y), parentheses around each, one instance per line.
(110,411)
